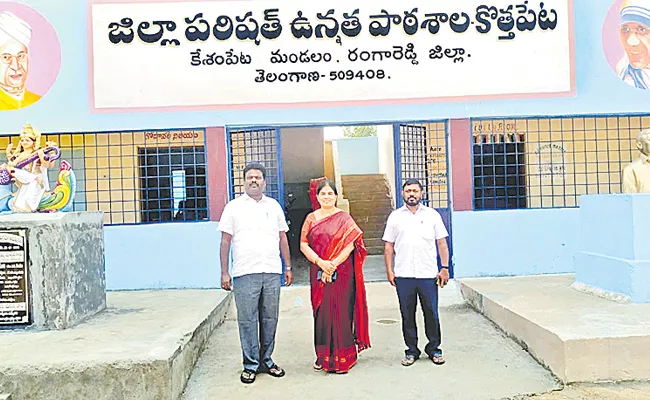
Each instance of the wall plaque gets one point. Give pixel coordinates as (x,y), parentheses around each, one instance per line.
(14,278)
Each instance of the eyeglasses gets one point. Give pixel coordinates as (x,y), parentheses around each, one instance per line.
(6,58)
(639,30)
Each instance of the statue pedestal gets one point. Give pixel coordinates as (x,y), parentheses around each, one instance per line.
(614,261)
(63,281)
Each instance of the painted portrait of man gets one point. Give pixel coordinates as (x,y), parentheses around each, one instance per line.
(634,35)
(15,37)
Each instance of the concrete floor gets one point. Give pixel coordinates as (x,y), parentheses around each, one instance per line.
(603,391)
(481,362)
(579,336)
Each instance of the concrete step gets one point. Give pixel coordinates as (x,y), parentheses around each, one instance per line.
(580,337)
(368,196)
(143,346)
(380,186)
(371,207)
(370,222)
(373,242)
(372,232)
(362,177)
(375,250)
(364,216)
(374,197)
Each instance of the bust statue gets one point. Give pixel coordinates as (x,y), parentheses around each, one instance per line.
(636,175)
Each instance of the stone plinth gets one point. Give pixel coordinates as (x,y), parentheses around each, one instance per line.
(613,260)
(581,338)
(144,347)
(66,266)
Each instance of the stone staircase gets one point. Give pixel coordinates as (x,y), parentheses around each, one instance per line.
(370,204)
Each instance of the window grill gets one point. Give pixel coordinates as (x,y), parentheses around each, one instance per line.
(550,162)
(423,156)
(260,146)
(133,177)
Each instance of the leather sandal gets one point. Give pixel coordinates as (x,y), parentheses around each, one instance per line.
(437,359)
(275,371)
(407,361)
(248,376)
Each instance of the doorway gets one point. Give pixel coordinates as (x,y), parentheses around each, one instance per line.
(368,171)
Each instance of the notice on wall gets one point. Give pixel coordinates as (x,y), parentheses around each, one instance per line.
(547,160)
(437,159)
(14,278)
(186,55)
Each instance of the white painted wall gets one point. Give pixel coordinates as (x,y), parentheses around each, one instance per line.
(387,156)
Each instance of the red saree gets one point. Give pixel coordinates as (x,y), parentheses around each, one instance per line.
(340,308)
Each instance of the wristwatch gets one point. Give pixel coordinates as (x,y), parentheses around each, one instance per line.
(445,267)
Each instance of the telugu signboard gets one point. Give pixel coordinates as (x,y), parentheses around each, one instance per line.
(149,55)
(14,278)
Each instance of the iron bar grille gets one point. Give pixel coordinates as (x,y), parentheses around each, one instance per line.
(260,146)
(550,162)
(423,156)
(135,177)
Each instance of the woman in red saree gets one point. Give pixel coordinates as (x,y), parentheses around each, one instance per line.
(332,242)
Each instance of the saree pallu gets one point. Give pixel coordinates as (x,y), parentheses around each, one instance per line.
(340,308)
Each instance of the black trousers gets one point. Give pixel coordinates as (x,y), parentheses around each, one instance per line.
(408,291)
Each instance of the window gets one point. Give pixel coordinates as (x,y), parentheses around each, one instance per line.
(499,175)
(423,156)
(550,162)
(173,184)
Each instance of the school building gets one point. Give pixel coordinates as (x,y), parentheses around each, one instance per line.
(505,125)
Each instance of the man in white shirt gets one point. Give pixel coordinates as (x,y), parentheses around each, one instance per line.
(412,234)
(255,226)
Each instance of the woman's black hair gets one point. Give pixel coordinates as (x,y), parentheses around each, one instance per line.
(324,183)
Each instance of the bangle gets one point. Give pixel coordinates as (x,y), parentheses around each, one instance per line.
(287,268)
(445,267)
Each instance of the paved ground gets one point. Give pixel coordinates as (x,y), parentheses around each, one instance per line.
(611,391)
(482,362)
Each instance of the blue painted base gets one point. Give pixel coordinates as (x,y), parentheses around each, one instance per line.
(614,255)
(515,242)
(615,275)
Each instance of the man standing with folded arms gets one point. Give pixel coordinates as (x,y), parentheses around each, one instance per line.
(255,226)
(412,234)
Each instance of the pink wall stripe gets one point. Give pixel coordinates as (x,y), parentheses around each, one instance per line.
(460,131)
(217,170)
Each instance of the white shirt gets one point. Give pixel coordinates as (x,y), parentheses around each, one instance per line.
(414,237)
(255,227)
